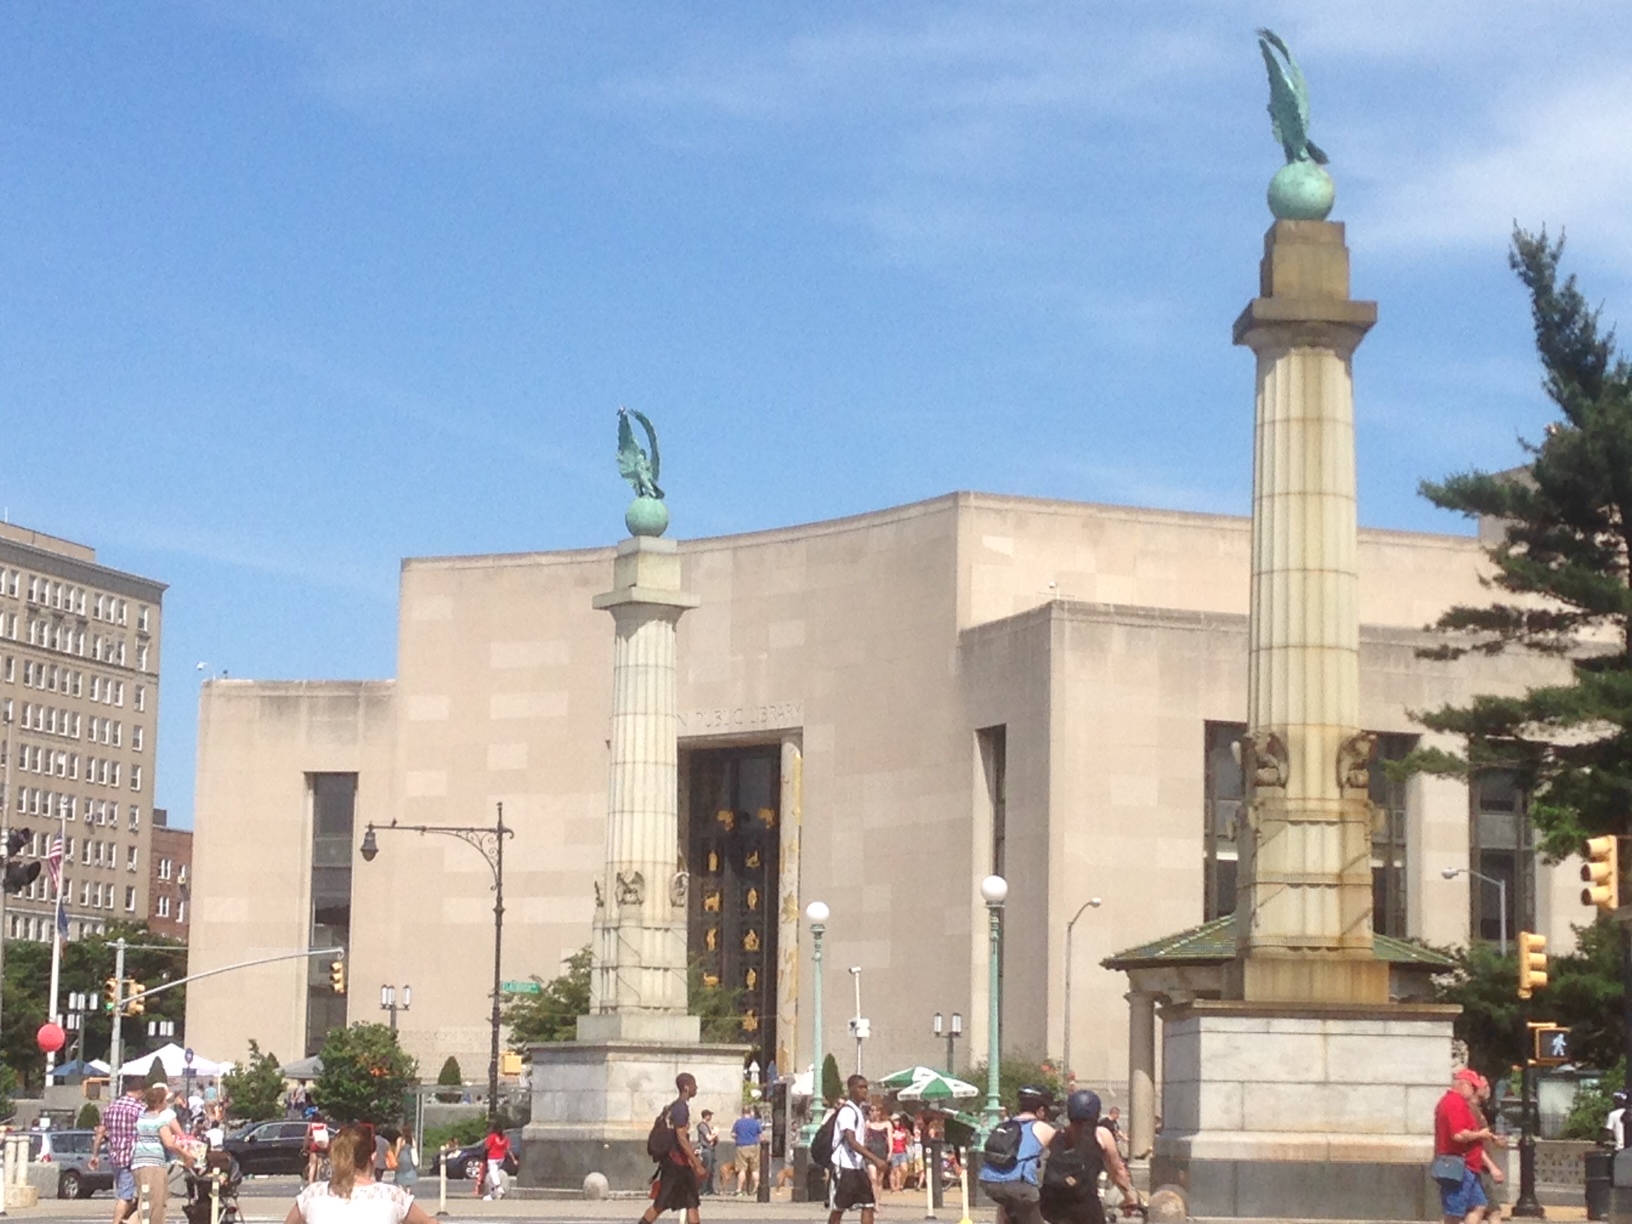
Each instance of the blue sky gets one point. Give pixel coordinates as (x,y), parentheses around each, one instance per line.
(293,290)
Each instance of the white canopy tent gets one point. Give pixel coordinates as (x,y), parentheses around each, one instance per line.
(174,1059)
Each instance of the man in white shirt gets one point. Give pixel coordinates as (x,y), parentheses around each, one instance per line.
(1615,1123)
(851,1187)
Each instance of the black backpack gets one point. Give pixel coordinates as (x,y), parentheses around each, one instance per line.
(660,1139)
(1072,1172)
(1002,1151)
(821,1143)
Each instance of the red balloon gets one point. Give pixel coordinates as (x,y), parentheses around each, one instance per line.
(50,1037)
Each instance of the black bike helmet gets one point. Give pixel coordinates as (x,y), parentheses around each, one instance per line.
(1082,1106)
(1031,1098)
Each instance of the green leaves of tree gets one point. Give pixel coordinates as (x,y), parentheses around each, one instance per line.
(255,1087)
(1561,574)
(365,1075)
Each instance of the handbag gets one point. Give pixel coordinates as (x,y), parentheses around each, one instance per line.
(1448,1168)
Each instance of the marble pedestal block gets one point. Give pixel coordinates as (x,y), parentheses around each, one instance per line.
(1302,1112)
(594,1102)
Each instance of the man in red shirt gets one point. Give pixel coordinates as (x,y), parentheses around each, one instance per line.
(1458,1131)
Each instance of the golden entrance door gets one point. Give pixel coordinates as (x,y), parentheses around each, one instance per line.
(734,853)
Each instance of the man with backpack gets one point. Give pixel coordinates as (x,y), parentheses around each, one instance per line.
(679,1170)
(1012,1156)
(847,1139)
(1069,1193)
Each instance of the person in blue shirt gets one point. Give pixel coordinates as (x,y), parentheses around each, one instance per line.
(745,1132)
(1015,1189)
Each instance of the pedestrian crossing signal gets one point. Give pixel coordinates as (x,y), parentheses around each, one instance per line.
(1601,874)
(1532,962)
(1552,1044)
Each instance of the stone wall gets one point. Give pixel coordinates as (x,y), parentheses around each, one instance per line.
(1559,1162)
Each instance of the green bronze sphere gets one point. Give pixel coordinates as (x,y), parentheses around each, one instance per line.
(646,516)
(1301,191)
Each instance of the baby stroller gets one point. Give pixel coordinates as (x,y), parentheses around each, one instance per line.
(220,1169)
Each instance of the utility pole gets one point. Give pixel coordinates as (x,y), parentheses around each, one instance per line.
(5,840)
(115,1080)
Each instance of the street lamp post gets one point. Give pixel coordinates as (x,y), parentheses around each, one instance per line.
(1450,873)
(489,843)
(951,1034)
(994,890)
(816,913)
(1091,903)
(388,1002)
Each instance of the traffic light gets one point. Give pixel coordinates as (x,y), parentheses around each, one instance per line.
(18,876)
(1601,874)
(337,976)
(111,986)
(1532,962)
(134,1006)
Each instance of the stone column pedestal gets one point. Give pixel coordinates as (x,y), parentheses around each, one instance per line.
(1302,1113)
(594,1102)
(595,1098)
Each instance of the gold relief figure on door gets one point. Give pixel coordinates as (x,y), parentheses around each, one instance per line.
(732,918)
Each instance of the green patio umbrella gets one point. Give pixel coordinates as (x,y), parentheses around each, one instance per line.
(905,1079)
(938,1086)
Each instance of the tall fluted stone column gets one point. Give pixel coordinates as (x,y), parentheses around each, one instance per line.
(1304,908)
(638,975)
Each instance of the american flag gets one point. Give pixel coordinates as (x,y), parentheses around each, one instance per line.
(53,865)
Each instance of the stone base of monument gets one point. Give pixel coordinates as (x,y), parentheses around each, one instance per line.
(594,1103)
(1302,1111)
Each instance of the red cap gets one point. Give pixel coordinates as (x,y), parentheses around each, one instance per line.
(1466,1075)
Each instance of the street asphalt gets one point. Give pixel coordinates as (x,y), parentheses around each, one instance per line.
(266,1200)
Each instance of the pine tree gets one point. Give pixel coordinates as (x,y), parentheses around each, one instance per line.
(1561,570)
(832,1086)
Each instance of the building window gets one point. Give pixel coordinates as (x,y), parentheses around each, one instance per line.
(1501,847)
(1390,820)
(181,911)
(130,898)
(993,744)
(1225,789)
(130,859)
(135,777)
(334,809)
(164,869)
(164,907)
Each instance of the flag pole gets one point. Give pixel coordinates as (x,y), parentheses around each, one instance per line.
(56,928)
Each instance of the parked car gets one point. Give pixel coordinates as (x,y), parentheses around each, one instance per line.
(470,1161)
(269,1147)
(70,1151)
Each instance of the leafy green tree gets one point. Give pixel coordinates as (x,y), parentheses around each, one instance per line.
(8,1085)
(86,964)
(255,1087)
(1592,1104)
(832,1085)
(365,1075)
(90,1117)
(1016,1071)
(718,1006)
(552,1014)
(1583,995)
(450,1077)
(1561,577)
(1485,985)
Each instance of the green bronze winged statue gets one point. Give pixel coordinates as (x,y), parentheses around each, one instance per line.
(647,514)
(1302,190)
(634,464)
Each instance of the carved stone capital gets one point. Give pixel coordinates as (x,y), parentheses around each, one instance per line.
(1264,760)
(1354,761)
